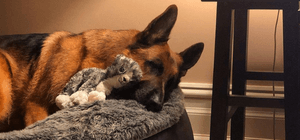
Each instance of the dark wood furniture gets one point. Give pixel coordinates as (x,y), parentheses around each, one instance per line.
(226,106)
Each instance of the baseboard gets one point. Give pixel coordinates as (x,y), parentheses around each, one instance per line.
(250,113)
(199,111)
(206,137)
(201,137)
(204,90)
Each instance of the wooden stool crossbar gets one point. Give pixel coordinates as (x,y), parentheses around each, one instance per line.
(232,22)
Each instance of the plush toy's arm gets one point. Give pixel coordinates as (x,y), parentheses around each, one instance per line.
(74,84)
(94,76)
(63,100)
(105,87)
(77,89)
(117,81)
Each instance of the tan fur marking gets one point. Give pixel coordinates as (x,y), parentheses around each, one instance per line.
(103,45)
(5,89)
(12,62)
(69,59)
(34,113)
(50,46)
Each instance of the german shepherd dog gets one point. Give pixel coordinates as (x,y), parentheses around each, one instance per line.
(34,68)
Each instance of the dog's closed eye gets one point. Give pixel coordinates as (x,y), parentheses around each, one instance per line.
(156,66)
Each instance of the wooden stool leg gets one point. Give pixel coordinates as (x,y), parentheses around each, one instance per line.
(291,71)
(239,71)
(218,128)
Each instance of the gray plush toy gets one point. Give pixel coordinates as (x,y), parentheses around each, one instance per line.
(93,84)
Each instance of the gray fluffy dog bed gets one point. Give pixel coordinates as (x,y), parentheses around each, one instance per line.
(109,119)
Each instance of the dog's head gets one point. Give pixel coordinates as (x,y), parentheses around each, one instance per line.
(162,68)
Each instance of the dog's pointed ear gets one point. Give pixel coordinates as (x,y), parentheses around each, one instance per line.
(190,57)
(159,29)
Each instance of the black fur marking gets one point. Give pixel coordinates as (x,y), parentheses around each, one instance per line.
(170,85)
(138,45)
(29,45)
(83,50)
(156,66)
(145,41)
(74,35)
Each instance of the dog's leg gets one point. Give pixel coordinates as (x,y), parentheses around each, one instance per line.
(5,92)
(34,112)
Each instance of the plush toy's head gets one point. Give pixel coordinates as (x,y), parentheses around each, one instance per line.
(128,69)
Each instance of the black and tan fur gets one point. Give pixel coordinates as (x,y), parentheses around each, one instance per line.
(34,68)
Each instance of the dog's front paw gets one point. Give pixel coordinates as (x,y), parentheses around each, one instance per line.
(63,101)
(79,97)
(96,96)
